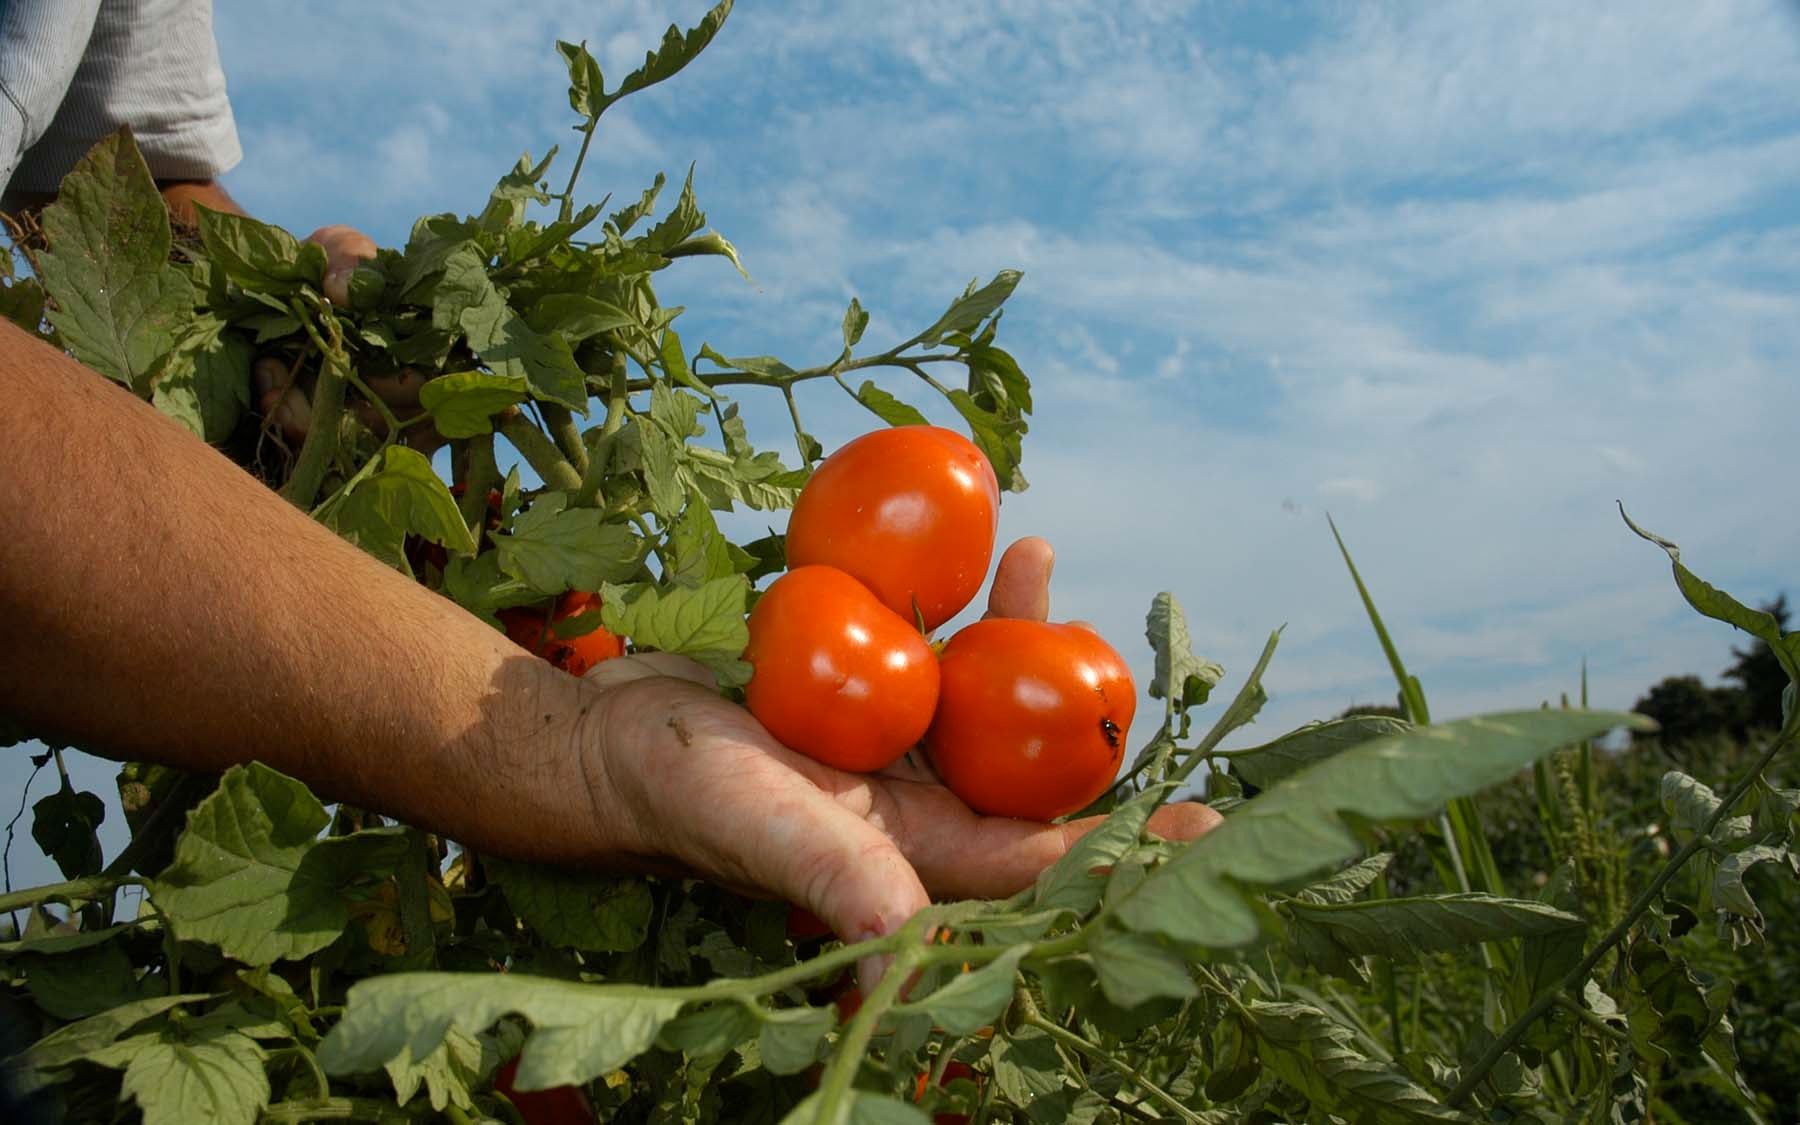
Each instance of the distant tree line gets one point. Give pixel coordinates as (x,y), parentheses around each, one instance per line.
(1750,698)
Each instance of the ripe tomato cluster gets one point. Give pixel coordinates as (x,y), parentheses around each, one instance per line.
(890,538)
(533,628)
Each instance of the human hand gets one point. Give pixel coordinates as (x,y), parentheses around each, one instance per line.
(284,396)
(688,781)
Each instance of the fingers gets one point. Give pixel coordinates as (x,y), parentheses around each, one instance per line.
(1022,581)
(345,247)
(939,834)
(644,665)
(280,400)
(701,782)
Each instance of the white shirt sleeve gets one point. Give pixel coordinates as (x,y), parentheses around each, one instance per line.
(73,71)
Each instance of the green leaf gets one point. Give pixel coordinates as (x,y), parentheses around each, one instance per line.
(996,380)
(1728,890)
(1690,804)
(1671,1012)
(260,256)
(790,1038)
(966,313)
(76,984)
(74,1042)
(681,221)
(576,316)
(856,322)
(888,408)
(1410,927)
(215,1077)
(974,1000)
(400,495)
(466,299)
(463,403)
(710,244)
(580,1031)
(448,1072)
(860,1107)
(760,482)
(704,622)
(251,877)
(1180,675)
(205,382)
(479,586)
(1262,766)
(1027,1066)
(552,549)
(592,913)
(699,553)
(1136,968)
(63,825)
(998,436)
(1715,603)
(1317,1057)
(1071,883)
(120,305)
(1346,885)
(1296,828)
(521,186)
(587,85)
(677,50)
(22,302)
(712,1030)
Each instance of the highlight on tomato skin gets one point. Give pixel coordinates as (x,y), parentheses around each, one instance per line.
(838,676)
(910,511)
(1032,717)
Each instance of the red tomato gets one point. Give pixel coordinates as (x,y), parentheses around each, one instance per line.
(839,677)
(559,1105)
(525,627)
(910,512)
(1031,718)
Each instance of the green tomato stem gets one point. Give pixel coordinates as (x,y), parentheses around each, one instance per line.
(539,452)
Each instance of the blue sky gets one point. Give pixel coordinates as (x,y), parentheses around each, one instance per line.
(1460,274)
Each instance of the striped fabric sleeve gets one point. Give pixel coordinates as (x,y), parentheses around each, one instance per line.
(150,64)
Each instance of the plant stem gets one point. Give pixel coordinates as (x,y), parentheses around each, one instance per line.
(483,475)
(332,1109)
(855,1040)
(321,446)
(618,399)
(568,194)
(1614,936)
(93,888)
(561,423)
(1093,1052)
(787,392)
(539,451)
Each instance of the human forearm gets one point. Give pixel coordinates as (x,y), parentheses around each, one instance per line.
(155,601)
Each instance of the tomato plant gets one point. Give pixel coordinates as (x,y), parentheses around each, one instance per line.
(910,512)
(838,676)
(1032,717)
(547,632)
(1345,945)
